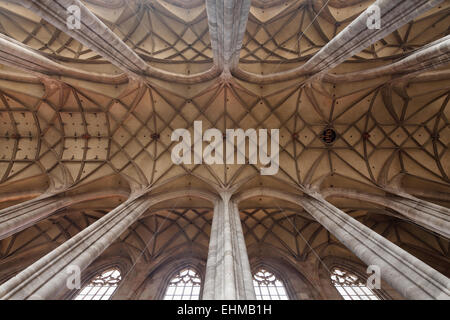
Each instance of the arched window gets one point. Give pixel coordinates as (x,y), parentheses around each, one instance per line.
(185,285)
(102,286)
(350,286)
(268,287)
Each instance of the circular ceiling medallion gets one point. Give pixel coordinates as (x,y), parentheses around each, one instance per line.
(328,136)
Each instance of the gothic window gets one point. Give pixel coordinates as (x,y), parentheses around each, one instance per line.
(101,287)
(185,285)
(350,286)
(268,287)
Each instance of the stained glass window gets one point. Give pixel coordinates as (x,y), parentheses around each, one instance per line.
(101,287)
(268,287)
(185,285)
(350,286)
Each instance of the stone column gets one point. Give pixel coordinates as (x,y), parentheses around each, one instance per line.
(407,274)
(48,276)
(428,215)
(227,21)
(24,215)
(228,274)
(431,216)
(16,218)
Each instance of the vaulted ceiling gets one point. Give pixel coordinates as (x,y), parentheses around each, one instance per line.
(74,115)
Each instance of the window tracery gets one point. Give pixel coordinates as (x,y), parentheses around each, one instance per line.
(268,287)
(350,286)
(101,287)
(185,285)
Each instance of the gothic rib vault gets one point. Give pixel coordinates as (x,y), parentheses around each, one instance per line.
(87,115)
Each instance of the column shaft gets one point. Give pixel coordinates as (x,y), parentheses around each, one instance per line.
(227,22)
(20,216)
(228,274)
(407,274)
(431,216)
(48,276)
(426,214)
(23,215)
